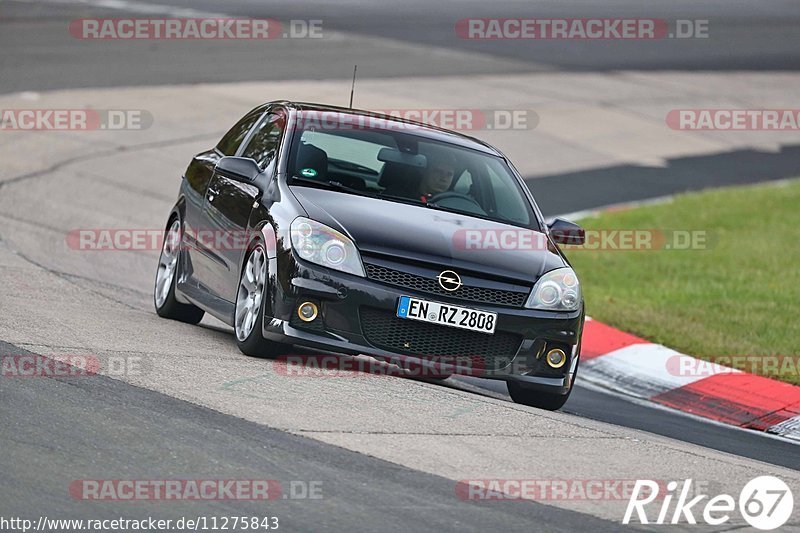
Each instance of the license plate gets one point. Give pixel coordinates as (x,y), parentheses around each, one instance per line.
(446,315)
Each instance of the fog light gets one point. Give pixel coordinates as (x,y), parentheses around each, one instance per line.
(556,358)
(307,311)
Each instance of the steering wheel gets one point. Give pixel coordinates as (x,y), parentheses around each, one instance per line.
(457,200)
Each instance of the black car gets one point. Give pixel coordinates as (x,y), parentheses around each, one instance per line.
(359,233)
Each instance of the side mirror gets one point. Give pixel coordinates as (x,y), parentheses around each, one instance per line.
(241,169)
(566,232)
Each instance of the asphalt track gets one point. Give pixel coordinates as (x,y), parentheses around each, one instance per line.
(58,430)
(359,492)
(743,36)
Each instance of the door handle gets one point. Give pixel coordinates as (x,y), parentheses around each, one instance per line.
(211,194)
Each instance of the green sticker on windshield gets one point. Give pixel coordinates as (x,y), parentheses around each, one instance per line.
(309,173)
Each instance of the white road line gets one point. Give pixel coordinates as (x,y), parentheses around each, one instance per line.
(132,6)
(789,429)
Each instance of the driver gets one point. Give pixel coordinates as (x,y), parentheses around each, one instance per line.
(438,175)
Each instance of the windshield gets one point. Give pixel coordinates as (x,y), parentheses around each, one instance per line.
(394,164)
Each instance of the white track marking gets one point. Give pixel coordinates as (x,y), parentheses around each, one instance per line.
(131,6)
(641,370)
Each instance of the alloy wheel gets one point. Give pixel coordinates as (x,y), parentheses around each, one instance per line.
(251,291)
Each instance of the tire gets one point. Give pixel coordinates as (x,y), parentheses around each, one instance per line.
(249,312)
(537,398)
(542,400)
(166,277)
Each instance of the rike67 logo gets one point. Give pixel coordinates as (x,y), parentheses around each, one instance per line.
(765,503)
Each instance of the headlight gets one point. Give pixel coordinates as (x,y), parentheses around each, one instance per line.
(317,243)
(558,290)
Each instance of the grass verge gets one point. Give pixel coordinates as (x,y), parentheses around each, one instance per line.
(737,295)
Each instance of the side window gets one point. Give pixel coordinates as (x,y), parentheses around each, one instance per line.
(266,138)
(231,141)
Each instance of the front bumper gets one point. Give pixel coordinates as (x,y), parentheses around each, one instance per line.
(340,327)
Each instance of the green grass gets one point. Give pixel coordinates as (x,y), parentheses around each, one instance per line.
(738,297)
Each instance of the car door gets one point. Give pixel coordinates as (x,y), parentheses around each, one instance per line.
(228,204)
(199,257)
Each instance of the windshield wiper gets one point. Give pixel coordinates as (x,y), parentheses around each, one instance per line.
(331,184)
(484,215)
(339,186)
(401,199)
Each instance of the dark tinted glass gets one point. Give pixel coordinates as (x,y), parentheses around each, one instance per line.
(231,141)
(264,143)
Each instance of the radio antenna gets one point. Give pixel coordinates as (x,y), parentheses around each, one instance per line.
(353,87)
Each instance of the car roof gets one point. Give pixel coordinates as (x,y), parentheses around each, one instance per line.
(421,129)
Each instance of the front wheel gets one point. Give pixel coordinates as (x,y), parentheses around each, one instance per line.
(249,313)
(543,400)
(536,398)
(166,275)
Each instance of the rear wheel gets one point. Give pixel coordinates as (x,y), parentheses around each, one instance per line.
(249,313)
(166,278)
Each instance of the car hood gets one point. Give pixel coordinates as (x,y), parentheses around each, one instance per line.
(418,233)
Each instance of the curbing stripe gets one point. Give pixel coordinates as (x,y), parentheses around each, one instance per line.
(639,370)
(739,399)
(628,364)
(600,339)
(789,428)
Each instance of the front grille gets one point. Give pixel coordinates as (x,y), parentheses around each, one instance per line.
(431,285)
(442,343)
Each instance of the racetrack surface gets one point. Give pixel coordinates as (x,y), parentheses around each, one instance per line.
(384,39)
(388,450)
(359,492)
